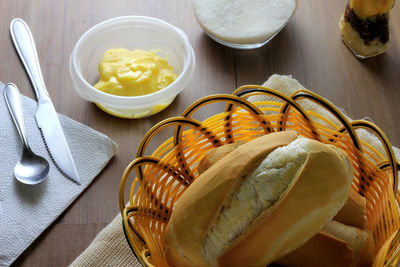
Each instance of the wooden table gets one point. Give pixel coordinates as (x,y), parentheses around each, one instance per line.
(309,48)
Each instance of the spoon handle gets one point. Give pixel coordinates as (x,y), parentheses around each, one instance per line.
(12,97)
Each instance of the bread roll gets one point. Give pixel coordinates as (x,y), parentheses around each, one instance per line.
(215,155)
(354,211)
(261,201)
(322,249)
(360,241)
(337,245)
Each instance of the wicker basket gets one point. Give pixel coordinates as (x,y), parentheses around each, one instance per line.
(162,177)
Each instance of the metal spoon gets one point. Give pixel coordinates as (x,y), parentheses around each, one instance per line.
(31,169)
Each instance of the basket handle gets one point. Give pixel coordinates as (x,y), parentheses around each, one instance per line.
(230,99)
(248,90)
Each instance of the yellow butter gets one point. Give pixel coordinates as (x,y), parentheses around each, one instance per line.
(133,73)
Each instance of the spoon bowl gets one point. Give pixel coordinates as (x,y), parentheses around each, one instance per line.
(32,168)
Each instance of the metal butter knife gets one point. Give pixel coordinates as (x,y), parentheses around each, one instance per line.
(46,116)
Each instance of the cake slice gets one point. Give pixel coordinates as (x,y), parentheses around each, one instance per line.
(364,26)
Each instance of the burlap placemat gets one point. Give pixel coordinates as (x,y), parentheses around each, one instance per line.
(110,247)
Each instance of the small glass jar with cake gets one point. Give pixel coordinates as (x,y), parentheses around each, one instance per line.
(364,26)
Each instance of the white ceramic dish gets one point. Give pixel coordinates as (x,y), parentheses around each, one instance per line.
(243,24)
(131,32)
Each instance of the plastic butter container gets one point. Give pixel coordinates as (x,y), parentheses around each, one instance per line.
(131,32)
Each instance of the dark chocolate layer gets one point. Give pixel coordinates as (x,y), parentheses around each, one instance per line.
(369,28)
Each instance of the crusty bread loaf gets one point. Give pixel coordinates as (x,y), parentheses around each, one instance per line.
(243,213)
(322,249)
(337,245)
(354,211)
(215,155)
(360,241)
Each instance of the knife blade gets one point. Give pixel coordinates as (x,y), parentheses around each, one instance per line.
(46,116)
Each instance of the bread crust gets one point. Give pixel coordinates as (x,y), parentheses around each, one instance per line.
(337,245)
(200,205)
(354,211)
(215,155)
(322,249)
(317,193)
(361,241)
(283,227)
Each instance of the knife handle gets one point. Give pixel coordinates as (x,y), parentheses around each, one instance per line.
(26,49)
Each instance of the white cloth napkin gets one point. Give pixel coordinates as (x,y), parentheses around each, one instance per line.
(26,211)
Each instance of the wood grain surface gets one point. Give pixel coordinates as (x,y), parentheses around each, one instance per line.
(309,48)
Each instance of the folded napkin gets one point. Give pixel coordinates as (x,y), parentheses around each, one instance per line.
(110,247)
(27,210)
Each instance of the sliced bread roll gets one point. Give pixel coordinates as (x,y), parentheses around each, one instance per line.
(354,212)
(261,201)
(337,245)
(359,240)
(215,155)
(322,249)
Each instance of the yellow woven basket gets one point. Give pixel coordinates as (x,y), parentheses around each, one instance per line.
(160,179)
